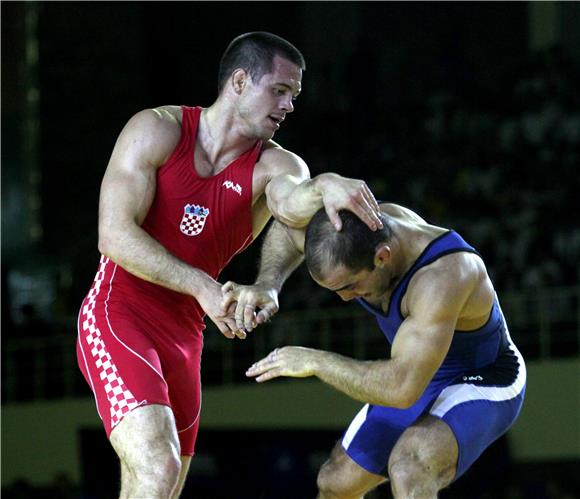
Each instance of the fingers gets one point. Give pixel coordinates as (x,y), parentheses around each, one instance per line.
(240,334)
(357,198)
(246,316)
(249,317)
(232,333)
(229,328)
(371,198)
(373,203)
(367,209)
(266,313)
(267,368)
(225,330)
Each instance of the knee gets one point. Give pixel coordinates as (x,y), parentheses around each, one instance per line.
(414,475)
(324,481)
(331,483)
(170,465)
(406,472)
(159,463)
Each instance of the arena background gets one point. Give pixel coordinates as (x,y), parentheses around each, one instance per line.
(468,113)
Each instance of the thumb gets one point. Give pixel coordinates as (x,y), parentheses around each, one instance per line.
(334,217)
(227,300)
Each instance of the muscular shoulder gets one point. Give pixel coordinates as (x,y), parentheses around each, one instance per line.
(276,160)
(153,133)
(445,285)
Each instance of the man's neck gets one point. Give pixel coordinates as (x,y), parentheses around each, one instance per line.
(219,134)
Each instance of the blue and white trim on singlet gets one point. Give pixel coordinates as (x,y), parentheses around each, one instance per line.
(478,390)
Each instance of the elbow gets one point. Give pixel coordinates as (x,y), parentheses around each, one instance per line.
(407,396)
(287,217)
(106,245)
(293,223)
(404,401)
(410,385)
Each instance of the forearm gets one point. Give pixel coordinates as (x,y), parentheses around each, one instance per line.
(141,255)
(375,382)
(279,257)
(294,202)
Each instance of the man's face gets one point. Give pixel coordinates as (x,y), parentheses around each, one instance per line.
(263,105)
(368,284)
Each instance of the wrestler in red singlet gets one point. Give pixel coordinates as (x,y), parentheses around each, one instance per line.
(140,343)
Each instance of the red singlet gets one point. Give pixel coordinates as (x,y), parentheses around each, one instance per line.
(140,343)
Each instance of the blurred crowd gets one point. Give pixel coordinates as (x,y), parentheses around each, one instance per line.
(507,160)
(497,160)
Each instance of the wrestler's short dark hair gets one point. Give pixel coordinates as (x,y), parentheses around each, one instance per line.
(353,246)
(254,52)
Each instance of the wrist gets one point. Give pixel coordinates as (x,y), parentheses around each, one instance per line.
(321,182)
(269,283)
(201,285)
(316,362)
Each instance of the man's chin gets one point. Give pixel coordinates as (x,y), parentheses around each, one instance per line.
(268,135)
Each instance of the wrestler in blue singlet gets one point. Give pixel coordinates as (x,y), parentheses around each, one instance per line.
(478,390)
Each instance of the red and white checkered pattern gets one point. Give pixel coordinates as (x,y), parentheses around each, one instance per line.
(120,397)
(192,225)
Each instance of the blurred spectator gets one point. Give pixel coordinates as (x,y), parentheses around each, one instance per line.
(32,324)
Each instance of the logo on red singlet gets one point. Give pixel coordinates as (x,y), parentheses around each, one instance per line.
(233,186)
(193,221)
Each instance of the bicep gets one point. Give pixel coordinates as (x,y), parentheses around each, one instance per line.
(260,216)
(129,183)
(420,346)
(285,171)
(423,339)
(126,194)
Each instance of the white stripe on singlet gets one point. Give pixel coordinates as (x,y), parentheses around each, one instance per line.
(357,422)
(458,394)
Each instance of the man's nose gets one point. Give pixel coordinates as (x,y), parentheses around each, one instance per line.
(287,105)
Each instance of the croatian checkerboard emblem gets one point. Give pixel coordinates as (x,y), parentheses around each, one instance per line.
(193,221)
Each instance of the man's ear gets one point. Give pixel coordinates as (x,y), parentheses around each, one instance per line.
(239,80)
(382,255)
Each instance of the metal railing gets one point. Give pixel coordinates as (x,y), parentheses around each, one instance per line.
(544,323)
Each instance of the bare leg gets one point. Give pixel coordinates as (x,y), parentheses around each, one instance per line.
(424,460)
(185,462)
(341,478)
(147,445)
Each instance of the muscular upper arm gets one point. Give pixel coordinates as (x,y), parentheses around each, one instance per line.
(434,302)
(279,171)
(128,186)
(260,215)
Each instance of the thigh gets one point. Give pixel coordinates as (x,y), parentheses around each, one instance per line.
(482,405)
(344,477)
(145,434)
(120,363)
(375,430)
(476,424)
(182,372)
(431,445)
